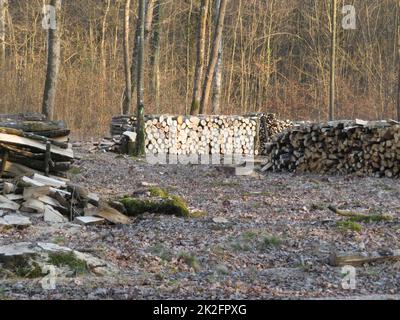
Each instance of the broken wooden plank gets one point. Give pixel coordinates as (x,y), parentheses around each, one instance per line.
(15,220)
(36,192)
(358,259)
(34,183)
(108,213)
(49,181)
(33,136)
(14,197)
(89,220)
(18,169)
(9,138)
(53,216)
(360,122)
(33,205)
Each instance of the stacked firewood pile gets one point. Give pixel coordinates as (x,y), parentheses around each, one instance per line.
(182,135)
(202,135)
(360,147)
(29,143)
(270,125)
(121,124)
(56,199)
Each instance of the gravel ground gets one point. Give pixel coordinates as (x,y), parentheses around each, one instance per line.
(274,245)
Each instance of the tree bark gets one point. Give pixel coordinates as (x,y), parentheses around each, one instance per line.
(155,58)
(333,61)
(149,19)
(53,64)
(103,39)
(3,10)
(398,62)
(140,130)
(216,99)
(201,35)
(213,57)
(126,105)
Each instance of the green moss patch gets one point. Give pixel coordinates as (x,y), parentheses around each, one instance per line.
(190,259)
(172,205)
(68,259)
(158,192)
(348,225)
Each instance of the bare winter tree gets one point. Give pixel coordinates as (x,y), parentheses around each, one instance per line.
(201,40)
(148,18)
(3,10)
(216,99)
(53,59)
(398,61)
(140,140)
(213,57)
(126,104)
(333,61)
(155,57)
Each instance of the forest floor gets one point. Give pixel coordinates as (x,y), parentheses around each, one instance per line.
(273,243)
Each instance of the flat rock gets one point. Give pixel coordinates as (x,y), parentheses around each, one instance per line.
(52,247)
(17,252)
(15,220)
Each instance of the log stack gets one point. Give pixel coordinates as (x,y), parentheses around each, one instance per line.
(120,124)
(270,126)
(344,147)
(29,144)
(202,135)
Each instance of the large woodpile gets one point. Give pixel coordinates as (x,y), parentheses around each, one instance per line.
(182,135)
(29,144)
(360,147)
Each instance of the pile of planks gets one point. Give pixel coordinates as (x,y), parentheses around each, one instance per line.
(29,144)
(270,126)
(121,124)
(202,135)
(56,199)
(343,147)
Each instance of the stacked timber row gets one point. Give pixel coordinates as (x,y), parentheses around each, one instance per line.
(270,126)
(346,147)
(202,134)
(120,124)
(29,144)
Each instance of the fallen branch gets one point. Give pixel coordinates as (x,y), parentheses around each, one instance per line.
(356,216)
(358,259)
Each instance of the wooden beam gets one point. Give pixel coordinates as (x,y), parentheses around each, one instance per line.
(68,153)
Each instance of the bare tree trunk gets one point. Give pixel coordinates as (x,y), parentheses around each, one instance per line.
(103,39)
(333,61)
(213,58)
(201,35)
(126,105)
(149,19)
(398,62)
(3,10)
(155,58)
(53,63)
(140,130)
(216,99)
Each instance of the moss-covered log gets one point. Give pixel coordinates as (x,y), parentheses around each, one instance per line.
(171,205)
